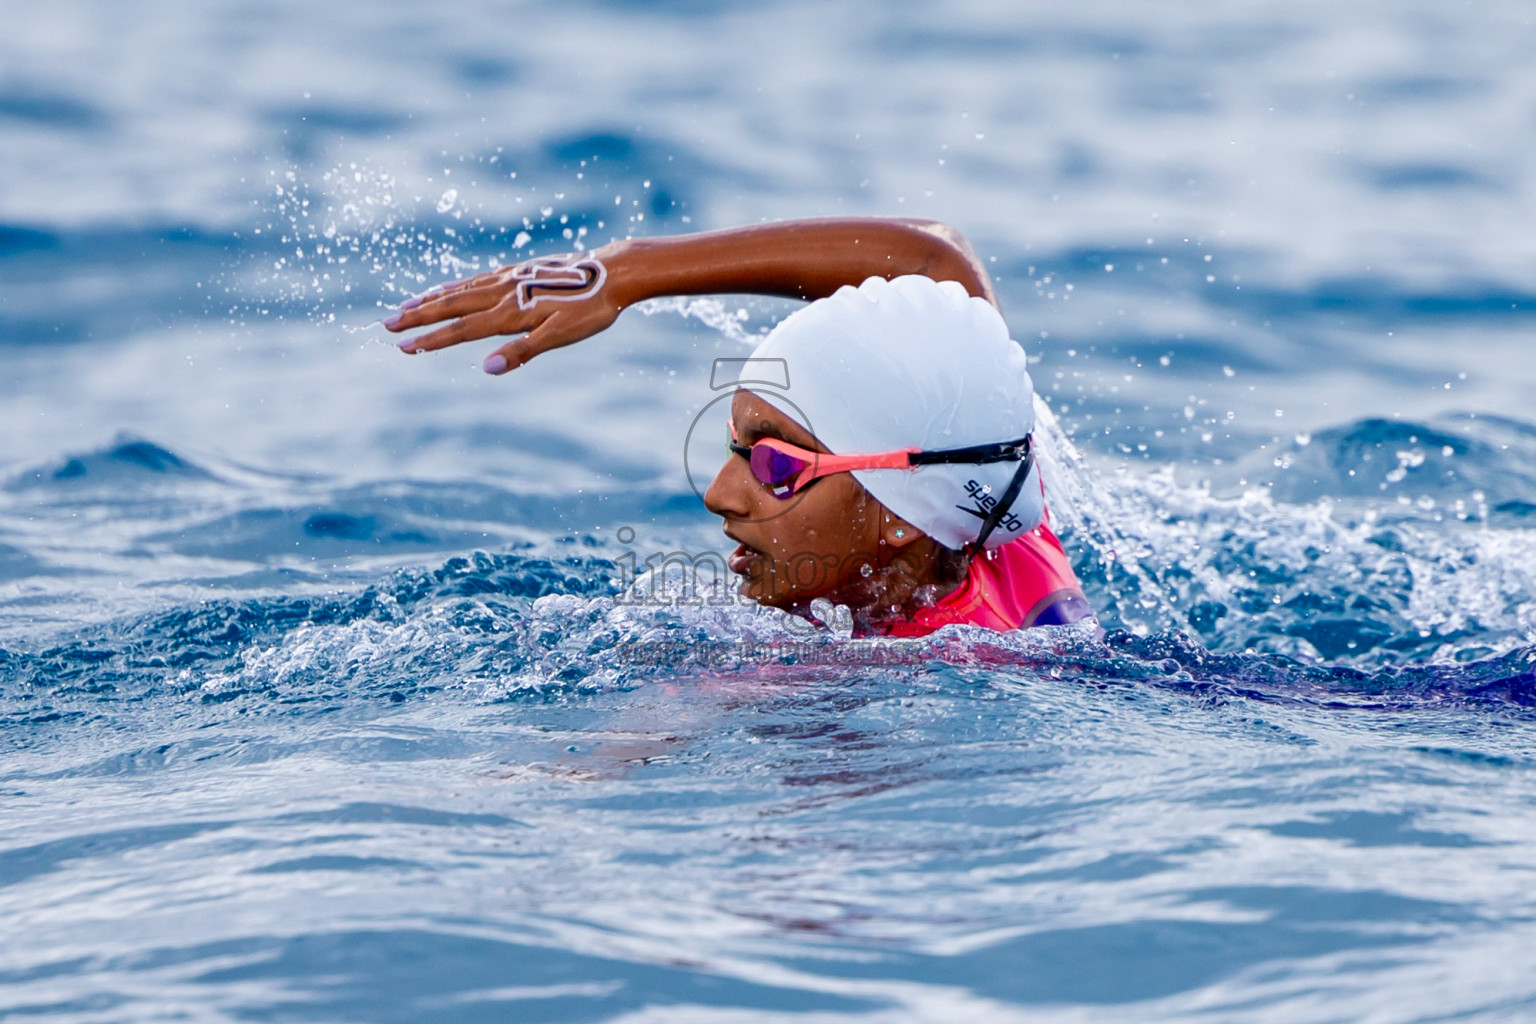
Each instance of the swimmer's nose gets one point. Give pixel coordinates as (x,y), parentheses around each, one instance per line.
(730,495)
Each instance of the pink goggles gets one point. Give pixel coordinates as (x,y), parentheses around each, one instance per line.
(786,469)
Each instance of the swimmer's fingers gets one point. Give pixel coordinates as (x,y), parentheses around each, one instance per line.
(461,301)
(439,290)
(450,286)
(501,318)
(563,327)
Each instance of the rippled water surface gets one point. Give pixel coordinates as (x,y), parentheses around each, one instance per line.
(326,690)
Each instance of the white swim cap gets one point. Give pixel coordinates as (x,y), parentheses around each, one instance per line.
(913,363)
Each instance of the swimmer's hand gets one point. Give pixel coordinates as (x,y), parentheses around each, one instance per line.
(554,301)
(551,301)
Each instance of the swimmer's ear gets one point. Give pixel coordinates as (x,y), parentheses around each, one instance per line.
(897,532)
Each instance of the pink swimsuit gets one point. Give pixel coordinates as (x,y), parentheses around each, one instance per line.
(1026,582)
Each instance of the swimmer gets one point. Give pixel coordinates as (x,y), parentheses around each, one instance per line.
(900,480)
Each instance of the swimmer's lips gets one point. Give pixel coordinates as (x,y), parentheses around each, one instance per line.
(741,559)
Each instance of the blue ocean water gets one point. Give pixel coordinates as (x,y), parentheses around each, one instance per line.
(327,687)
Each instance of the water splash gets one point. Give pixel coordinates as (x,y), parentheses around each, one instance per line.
(1340,580)
(710,312)
(354,237)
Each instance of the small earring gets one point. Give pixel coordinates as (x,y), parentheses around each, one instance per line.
(900,533)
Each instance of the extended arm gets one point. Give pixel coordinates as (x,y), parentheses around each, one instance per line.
(560,300)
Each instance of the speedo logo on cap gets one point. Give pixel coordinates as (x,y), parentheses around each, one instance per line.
(981,494)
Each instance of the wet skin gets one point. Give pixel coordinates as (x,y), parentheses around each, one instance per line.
(833,539)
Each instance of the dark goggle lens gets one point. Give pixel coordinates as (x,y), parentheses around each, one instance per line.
(776,469)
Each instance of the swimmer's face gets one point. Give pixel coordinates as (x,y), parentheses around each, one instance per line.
(814,544)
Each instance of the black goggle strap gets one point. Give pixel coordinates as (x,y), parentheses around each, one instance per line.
(1004,503)
(976,454)
(1022,451)
(1025,452)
